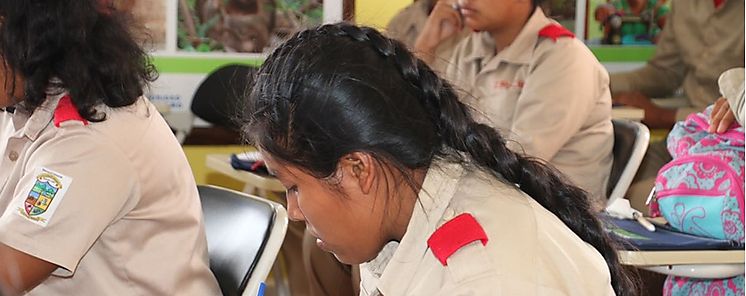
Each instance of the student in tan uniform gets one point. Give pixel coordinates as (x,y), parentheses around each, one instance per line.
(528,77)
(389,169)
(701,39)
(96,196)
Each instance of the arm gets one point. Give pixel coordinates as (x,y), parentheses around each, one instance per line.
(76,214)
(20,272)
(557,99)
(443,23)
(663,74)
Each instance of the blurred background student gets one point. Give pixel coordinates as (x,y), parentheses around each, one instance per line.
(528,77)
(701,40)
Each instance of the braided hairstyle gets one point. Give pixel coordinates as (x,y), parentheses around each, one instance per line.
(339,88)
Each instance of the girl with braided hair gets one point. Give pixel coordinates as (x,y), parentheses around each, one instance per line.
(530,78)
(389,170)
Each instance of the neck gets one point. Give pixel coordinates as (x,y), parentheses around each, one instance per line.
(401,213)
(504,35)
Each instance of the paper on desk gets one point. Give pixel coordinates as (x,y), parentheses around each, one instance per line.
(621,209)
(252,156)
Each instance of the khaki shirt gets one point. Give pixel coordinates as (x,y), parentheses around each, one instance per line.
(550,96)
(529,250)
(697,44)
(112,203)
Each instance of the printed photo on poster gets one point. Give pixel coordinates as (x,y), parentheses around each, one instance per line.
(249,26)
(626,22)
(150,15)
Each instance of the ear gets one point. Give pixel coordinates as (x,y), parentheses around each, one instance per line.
(361,167)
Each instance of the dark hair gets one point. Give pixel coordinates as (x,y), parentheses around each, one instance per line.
(81,46)
(339,88)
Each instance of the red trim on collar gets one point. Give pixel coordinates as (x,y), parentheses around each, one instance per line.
(453,235)
(555,31)
(67,111)
(718,3)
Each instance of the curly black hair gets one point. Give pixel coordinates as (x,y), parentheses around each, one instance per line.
(84,47)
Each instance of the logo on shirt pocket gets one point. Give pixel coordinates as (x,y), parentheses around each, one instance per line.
(44,197)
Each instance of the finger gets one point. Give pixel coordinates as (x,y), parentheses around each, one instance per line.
(718,117)
(725,123)
(447,14)
(715,115)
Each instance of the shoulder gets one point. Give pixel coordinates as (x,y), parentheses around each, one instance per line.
(556,41)
(469,240)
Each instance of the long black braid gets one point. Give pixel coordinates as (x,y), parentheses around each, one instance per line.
(411,124)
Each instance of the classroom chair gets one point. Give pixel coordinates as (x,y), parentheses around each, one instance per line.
(244,235)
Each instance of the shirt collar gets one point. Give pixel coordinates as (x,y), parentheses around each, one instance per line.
(399,263)
(34,122)
(520,51)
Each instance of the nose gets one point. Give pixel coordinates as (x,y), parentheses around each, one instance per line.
(294,212)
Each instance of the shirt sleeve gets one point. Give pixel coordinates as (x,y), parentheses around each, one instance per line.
(663,74)
(73,188)
(564,83)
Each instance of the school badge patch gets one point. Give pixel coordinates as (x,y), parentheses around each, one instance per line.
(45,195)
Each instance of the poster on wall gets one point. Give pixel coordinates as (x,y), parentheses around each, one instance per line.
(244,26)
(150,15)
(626,22)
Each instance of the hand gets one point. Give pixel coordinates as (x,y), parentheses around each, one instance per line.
(444,22)
(603,11)
(722,117)
(655,116)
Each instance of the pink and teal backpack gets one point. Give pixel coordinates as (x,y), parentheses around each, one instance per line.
(701,192)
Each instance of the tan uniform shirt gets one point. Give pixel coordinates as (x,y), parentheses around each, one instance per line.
(697,44)
(112,203)
(551,96)
(529,252)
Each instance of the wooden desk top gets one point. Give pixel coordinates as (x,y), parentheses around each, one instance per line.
(221,163)
(649,258)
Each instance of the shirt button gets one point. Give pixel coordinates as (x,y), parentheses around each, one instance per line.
(13,156)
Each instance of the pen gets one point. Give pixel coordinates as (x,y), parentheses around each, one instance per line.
(650,196)
(644,222)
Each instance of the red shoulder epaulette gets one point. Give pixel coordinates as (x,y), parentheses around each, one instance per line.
(67,111)
(555,31)
(453,235)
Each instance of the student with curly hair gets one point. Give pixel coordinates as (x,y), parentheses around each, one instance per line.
(389,169)
(96,196)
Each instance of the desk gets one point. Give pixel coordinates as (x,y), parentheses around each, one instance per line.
(699,263)
(222,164)
(626,112)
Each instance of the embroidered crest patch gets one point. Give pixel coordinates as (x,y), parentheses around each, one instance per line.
(44,197)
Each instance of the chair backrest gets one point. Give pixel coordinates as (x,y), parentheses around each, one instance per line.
(244,234)
(217,98)
(631,140)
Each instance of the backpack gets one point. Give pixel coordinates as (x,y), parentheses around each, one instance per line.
(701,191)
